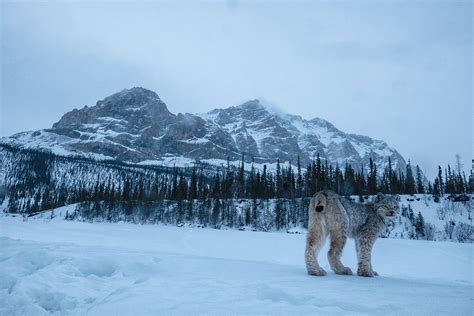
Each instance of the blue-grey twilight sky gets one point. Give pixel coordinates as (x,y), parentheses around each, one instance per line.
(392,70)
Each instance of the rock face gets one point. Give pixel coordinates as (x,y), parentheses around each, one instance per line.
(134,125)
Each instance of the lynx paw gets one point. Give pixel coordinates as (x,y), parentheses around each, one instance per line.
(345,271)
(365,273)
(317,271)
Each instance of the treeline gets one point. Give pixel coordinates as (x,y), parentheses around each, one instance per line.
(255,214)
(37,181)
(453,182)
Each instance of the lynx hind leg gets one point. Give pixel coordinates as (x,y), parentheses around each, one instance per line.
(314,243)
(338,241)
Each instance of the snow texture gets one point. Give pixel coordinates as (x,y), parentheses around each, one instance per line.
(52,266)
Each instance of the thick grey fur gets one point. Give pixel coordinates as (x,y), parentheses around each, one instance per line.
(339,218)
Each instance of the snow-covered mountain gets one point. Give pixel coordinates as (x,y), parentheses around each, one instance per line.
(135,125)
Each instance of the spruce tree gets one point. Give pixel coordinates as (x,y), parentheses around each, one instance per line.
(279,180)
(241,180)
(436,190)
(193,194)
(420,226)
(409,180)
(440,180)
(420,189)
(372,178)
(299,179)
(215,213)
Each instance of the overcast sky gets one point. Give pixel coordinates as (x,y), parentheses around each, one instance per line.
(396,71)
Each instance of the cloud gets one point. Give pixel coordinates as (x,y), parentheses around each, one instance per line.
(394,71)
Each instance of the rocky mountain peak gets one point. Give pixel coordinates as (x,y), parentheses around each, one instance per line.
(136,105)
(132,98)
(135,125)
(249,111)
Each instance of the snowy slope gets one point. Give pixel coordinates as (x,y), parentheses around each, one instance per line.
(436,216)
(438,213)
(61,267)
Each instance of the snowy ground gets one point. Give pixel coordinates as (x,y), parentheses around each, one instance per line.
(100,269)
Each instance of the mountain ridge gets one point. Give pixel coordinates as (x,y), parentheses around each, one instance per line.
(135,125)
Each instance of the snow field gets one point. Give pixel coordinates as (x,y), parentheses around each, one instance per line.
(60,267)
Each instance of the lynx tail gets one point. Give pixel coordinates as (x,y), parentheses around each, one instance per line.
(321,201)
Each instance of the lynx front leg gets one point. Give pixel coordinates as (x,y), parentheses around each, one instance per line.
(338,240)
(364,245)
(314,243)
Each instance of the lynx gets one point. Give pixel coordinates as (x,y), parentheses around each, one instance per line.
(340,218)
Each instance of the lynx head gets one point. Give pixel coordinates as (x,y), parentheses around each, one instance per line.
(387,206)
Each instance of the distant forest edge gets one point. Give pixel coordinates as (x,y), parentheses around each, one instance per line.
(34,181)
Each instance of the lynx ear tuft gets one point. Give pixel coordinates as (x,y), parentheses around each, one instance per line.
(397,197)
(379,197)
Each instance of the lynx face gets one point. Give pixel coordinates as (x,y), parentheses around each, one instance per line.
(387,206)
